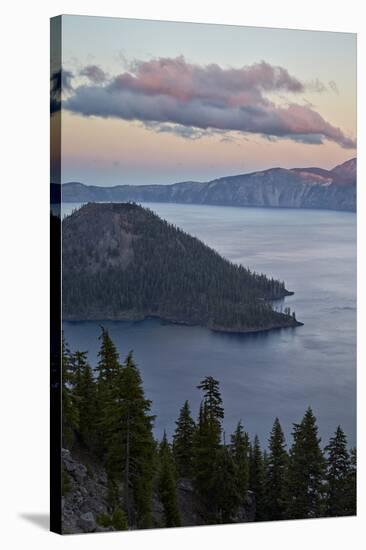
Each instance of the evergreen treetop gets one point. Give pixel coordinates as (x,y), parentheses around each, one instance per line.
(183,441)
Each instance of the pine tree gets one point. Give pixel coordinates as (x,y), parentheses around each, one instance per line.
(227,493)
(207,443)
(212,397)
(183,441)
(203,456)
(85,394)
(304,486)
(352,485)
(130,444)
(337,475)
(69,405)
(240,453)
(167,485)
(276,474)
(108,363)
(256,478)
(108,369)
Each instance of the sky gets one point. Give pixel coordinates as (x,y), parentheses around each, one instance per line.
(149,102)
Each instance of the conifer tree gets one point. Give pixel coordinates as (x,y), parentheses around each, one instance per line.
(337,475)
(240,453)
(167,485)
(207,443)
(352,484)
(108,358)
(212,397)
(227,494)
(108,369)
(256,478)
(305,486)
(275,476)
(130,444)
(183,441)
(69,406)
(204,455)
(85,394)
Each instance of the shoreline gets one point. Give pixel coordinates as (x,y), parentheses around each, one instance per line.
(222,330)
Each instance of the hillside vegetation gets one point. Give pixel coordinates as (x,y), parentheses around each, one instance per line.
(121,261)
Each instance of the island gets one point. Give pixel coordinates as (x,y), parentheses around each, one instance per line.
(123,262)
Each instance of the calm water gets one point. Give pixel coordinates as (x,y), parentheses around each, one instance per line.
(265,375)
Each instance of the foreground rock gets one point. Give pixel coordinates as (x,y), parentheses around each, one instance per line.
(85,499)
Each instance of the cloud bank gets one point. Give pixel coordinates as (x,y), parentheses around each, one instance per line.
(179,94)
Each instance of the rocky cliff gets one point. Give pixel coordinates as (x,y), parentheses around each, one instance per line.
(85,499)
(278,187)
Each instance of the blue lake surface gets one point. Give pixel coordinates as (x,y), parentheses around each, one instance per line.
(262,375)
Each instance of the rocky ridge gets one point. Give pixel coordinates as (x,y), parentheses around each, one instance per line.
(310,187)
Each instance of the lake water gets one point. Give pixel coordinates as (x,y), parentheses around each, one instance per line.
(264,375)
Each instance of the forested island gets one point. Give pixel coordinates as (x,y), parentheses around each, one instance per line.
(123,262)
(117,476)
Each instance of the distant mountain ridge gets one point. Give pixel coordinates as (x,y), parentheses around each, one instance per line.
(276,187)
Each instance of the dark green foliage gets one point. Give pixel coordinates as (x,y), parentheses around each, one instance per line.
(256,478)
(108,364)
(112,417)
(207,443)
(120,277)
(108,370)
(112,410)
(306,471)
(104,520)
(275,475)
(129,442)
(119,520)
(352,484)
(69,401)
(167,485)
(226,490)
(183,441)
(86,398)
(212,399)
(337,475)
(240,453)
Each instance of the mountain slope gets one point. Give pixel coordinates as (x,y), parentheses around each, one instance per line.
(121,261)
(277,187)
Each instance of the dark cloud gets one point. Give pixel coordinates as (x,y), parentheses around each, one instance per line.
(191,100)
(94,73)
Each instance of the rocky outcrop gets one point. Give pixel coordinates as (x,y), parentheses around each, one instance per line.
(85,496)
(278,187)
(85,500)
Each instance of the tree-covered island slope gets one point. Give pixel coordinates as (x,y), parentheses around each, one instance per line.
(122,262)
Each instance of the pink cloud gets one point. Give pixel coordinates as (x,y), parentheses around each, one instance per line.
(173,91)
